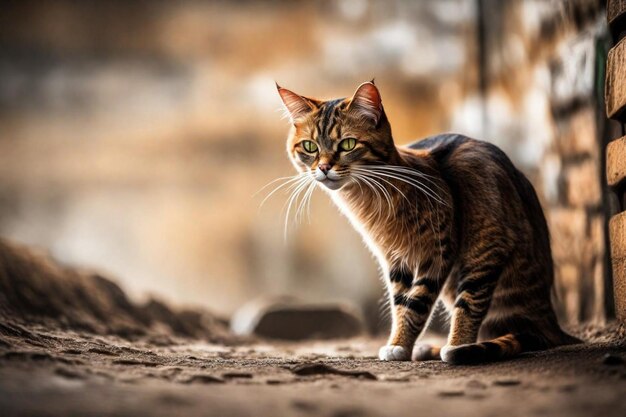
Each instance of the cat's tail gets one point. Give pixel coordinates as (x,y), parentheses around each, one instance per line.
(503,347)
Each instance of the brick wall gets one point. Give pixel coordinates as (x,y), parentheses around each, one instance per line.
(615,94)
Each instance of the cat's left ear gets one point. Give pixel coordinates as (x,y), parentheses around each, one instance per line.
(296,105)
(366,102)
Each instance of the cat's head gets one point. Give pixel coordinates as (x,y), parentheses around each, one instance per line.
(330,139)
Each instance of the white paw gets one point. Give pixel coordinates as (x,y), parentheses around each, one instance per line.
(393,353)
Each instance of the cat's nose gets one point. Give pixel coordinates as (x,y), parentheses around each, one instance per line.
(324,168)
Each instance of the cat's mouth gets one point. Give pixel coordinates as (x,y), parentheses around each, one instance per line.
(331,183)
(331,179)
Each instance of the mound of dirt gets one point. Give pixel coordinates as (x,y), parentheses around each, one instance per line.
(37,290)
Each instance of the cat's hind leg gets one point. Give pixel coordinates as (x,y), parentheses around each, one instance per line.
(506,336)
(503,347)
(474,294)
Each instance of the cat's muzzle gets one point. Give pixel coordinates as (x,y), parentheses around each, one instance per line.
(329,179)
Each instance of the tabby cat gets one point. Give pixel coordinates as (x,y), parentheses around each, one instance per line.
(447,217)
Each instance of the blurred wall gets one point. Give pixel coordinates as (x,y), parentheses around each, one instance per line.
(135,134)
(543,87)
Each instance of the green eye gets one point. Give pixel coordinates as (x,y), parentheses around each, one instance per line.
(309,146)
(347,144)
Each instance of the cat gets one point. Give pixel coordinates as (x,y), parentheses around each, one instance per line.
(447,217)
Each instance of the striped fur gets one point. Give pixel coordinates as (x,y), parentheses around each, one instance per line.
(448,218)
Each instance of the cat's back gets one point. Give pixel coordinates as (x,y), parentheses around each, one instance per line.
(457,155)
(440,142)
(486,184)
(443,146)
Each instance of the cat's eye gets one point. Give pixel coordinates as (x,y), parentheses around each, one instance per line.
(309,146)
(347,144)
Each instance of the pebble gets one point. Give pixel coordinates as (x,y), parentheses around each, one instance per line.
(203,379)
(506,382)
(68,373)
(475,384)
(323,369)
(234,375)
(288,319)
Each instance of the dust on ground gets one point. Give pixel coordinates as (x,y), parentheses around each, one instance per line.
(72,344)
(62,372)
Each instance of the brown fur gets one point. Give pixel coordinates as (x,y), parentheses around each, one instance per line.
(447,217)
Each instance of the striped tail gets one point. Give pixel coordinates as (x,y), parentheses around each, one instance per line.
(503,347)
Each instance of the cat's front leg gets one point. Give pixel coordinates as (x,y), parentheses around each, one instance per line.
(412,300)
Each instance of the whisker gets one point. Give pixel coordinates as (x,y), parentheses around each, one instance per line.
(401,168)
(290,177)
(411,174)
(301,206)
(309,198)
(407,171)
(396,188)
(293,197)
(384,191)
(411,181)
(288,181)
(407,176)
(367,182)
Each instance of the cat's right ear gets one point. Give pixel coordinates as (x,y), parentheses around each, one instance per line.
(297,106)
(366,102)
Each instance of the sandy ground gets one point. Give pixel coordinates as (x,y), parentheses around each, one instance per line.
(63,373)
(73,344)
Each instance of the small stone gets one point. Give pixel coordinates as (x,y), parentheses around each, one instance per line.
(287,319)
(102,351)
(323,369)
(396,379)
(506,382)
(475,384)
(236,375)
(68,373)
(203,379)
(134,362)
(611,359)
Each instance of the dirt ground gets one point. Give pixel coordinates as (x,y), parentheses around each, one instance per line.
(63,373)
(73,344)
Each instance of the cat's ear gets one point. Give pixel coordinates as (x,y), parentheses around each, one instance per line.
(366,102)
(296,105)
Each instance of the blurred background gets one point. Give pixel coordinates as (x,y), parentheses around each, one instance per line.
(134,134)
